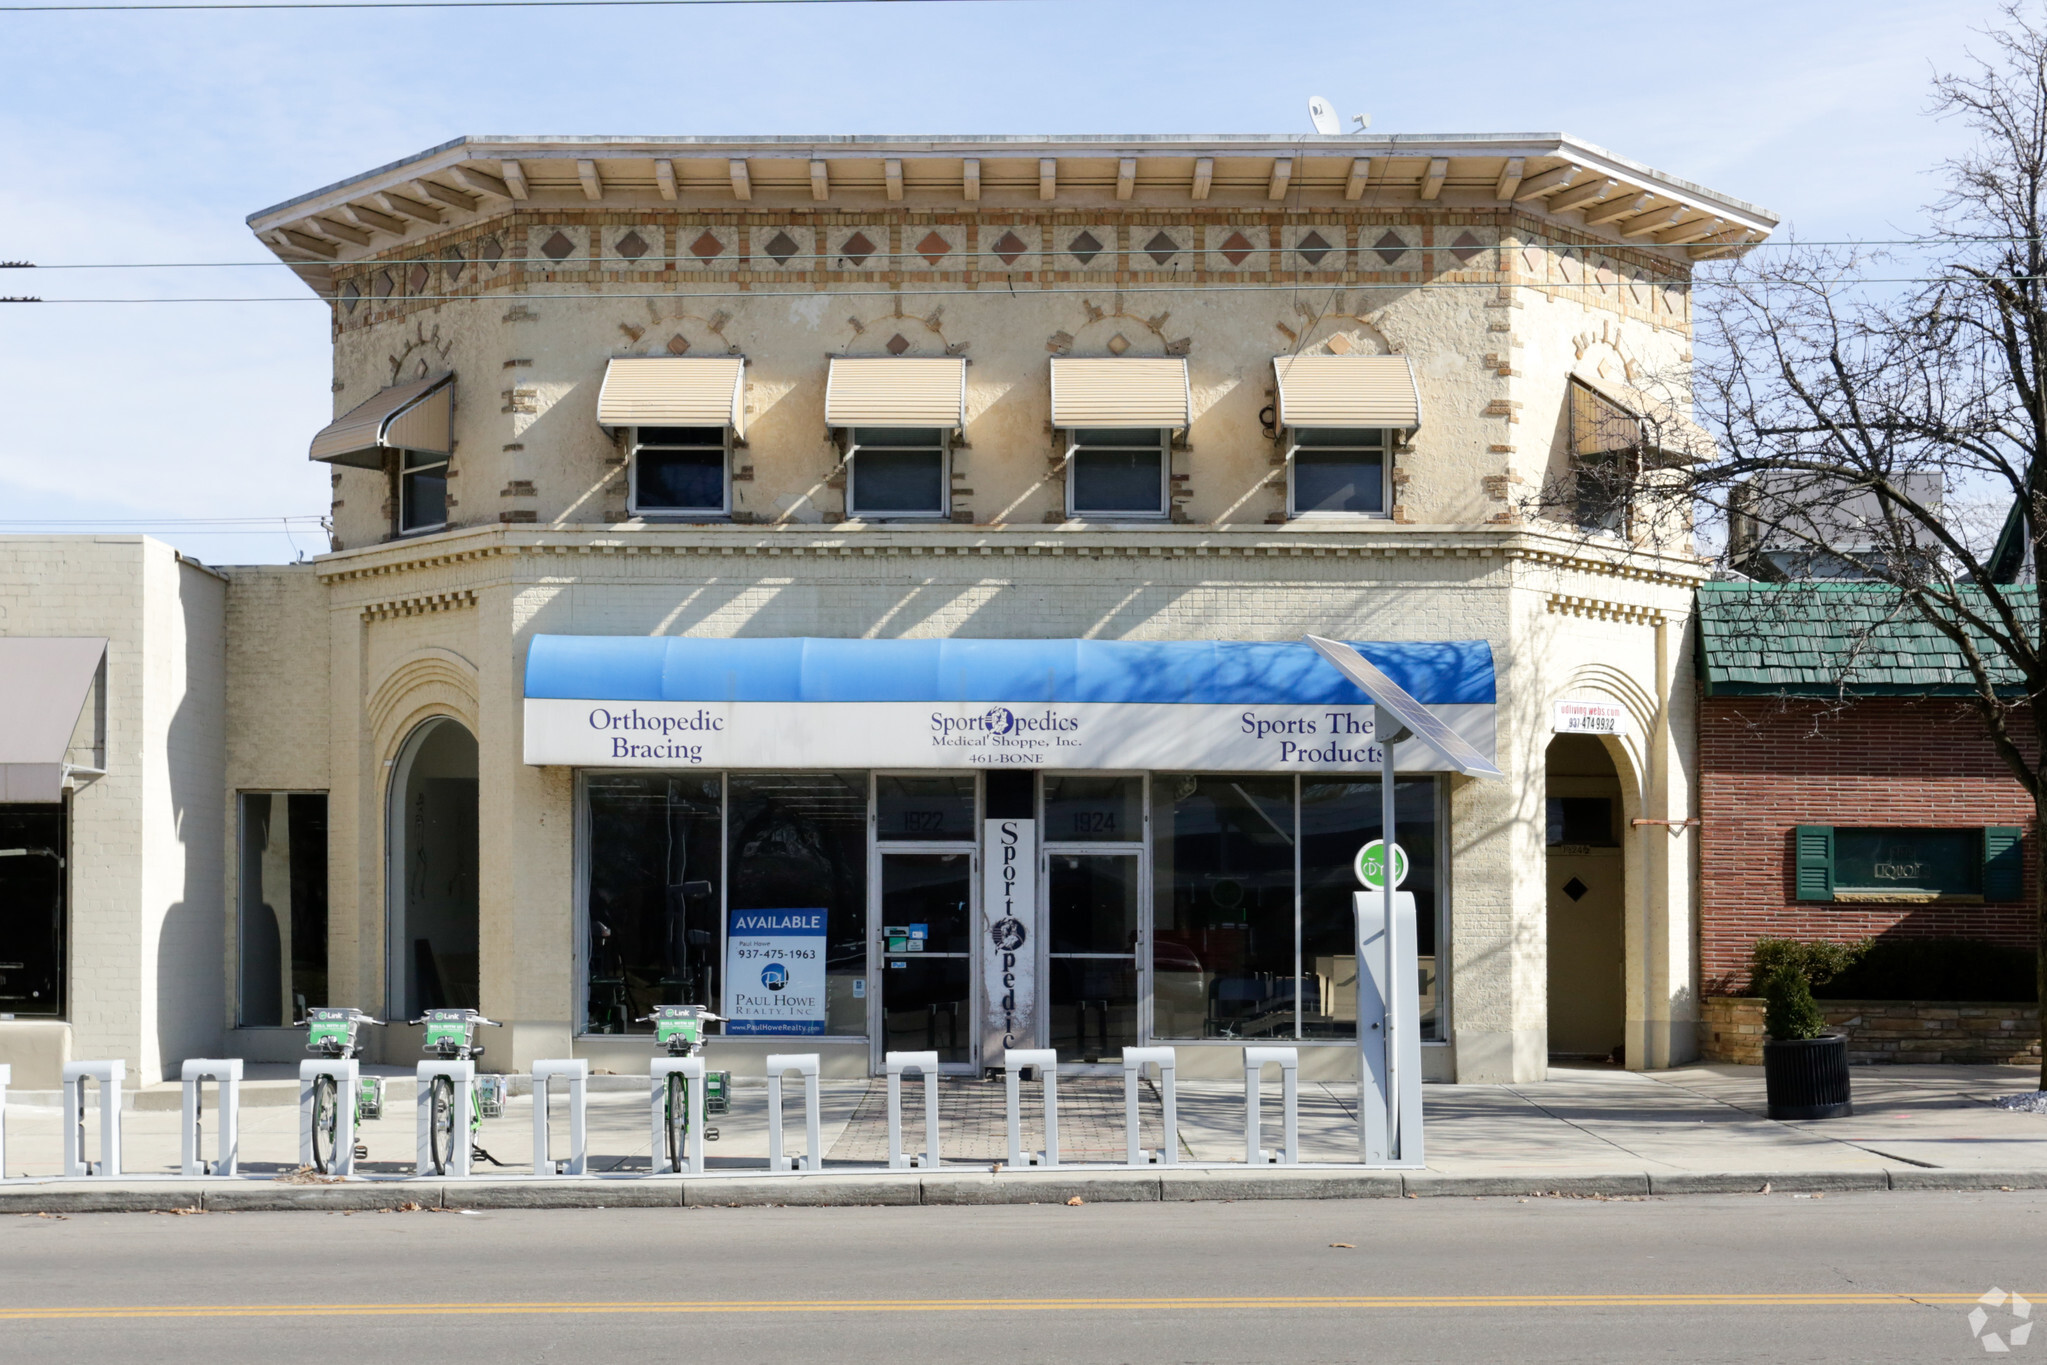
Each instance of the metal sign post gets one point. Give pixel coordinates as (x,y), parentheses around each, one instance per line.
(1389,1066)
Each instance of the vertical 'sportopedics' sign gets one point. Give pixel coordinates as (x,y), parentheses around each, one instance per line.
(774,971)
(1009,900)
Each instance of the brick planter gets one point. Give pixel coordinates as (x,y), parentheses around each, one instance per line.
(1731,1030)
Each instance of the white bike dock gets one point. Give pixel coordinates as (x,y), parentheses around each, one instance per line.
(805,1065)
(226,1075)
(345,1071)
(110,1075)
(926,1065)
(1014,1063)
(576,1075)
(1164,1061)
(461,1076)
(1288,1060)
(691,1069)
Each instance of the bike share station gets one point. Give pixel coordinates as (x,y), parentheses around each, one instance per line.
(684,1094)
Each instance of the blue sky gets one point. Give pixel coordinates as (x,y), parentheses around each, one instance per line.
(150,137)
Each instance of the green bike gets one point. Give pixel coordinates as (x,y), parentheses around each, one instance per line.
(451,1034)
(679,1031)
(331,1033)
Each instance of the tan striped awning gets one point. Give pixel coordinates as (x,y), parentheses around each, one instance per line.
(1132,392)
(906,391)
(1347,391)
(674,391)
(415,416)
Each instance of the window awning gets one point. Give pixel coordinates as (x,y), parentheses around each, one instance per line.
(674,391)
(905,391)
(43,686)
(415,416)
(1608,418)
(1347,391)
(1126,392)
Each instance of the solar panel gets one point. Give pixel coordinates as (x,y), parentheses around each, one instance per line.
(1418,718)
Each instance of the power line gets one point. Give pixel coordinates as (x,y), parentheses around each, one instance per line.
(465,4)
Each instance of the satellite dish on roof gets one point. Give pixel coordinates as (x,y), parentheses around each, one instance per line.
(1323,115)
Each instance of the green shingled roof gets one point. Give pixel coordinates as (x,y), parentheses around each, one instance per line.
(1815,639)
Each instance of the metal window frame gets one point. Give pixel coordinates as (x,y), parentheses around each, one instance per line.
(1074,445)
(1140,954)
(68,940)
(943,446)
(636,508)
(398,498)
(877,848)
(1443,899)
(1386,447)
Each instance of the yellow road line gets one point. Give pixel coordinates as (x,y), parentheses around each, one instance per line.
(1350,1302)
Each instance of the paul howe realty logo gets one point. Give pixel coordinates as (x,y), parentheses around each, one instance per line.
(1980,1324)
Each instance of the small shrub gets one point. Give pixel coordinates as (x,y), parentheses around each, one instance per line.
(1818,961)
(1789,1011)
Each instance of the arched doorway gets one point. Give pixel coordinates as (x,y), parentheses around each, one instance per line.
(1587,881)
(431,872)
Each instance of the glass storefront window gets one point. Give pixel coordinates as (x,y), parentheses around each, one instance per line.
(1093,809)
(1223,907)
(1338,817)
(281,920)
(32,918)
(798,841)
(1253,931)
(924,808)
(654,874)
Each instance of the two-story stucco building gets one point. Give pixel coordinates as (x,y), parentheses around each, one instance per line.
(858,584)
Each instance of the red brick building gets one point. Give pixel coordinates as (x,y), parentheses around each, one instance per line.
(1846,789)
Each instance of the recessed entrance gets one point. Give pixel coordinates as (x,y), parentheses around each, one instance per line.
(1587,886)
(431,872)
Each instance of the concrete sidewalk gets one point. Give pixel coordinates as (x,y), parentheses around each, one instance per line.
(1590,1131)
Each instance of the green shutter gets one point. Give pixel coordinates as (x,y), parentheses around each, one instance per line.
(1815,862)
(2004,864)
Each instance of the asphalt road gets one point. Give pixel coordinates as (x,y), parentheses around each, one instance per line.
(1887,1277)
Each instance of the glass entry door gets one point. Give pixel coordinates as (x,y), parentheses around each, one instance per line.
(1091,986)
(926,954)
(1093,872)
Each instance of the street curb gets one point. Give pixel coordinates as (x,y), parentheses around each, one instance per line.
(1049,1187)
(817,1191)
(273,1196)
(1778,1182)
(1177,1185)
(1968,1180)
(960,1188)
(1429,1184)
(542,1193)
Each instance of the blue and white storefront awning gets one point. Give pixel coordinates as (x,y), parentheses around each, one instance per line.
(1227,705)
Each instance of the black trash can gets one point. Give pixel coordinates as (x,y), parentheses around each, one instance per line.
(1807,1078)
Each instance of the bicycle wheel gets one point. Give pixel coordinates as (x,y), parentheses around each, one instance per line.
(676,1118)
(441,1122)
(326,1121)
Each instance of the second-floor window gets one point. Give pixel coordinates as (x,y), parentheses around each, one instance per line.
(679,472)
(1338,471)
(422,491)
(898,472)
(1116,472)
